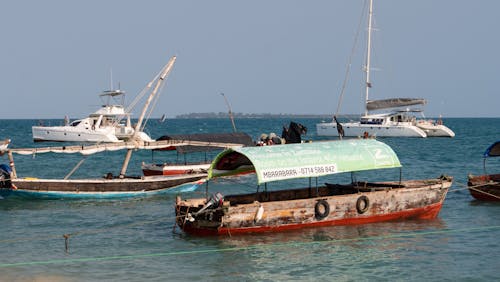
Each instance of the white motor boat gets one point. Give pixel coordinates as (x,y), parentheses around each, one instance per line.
(111,123)
(398,123)
(108,186)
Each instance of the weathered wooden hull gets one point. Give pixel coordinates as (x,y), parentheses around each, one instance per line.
(98,188)
(311,207)
(173,169)
(485,187)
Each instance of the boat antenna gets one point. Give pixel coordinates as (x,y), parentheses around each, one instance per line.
(111,78)
(230,112)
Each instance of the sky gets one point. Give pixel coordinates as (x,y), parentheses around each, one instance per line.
(281,56)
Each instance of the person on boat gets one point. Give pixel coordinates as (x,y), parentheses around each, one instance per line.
(274,138)
(262,140)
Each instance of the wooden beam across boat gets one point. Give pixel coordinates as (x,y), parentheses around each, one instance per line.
(139,145)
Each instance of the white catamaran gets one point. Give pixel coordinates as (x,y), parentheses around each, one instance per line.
(400,122)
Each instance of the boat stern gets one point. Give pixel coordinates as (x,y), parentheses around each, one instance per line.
(194,217)
(484,187)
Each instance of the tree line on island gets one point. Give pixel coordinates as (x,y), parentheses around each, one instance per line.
(248,115)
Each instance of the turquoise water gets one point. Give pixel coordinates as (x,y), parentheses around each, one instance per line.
(135,239)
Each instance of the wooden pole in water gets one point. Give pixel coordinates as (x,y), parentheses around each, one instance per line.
(11,164)
(230,112)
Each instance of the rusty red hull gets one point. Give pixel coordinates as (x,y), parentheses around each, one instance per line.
(485,187)
(316,207)
(423,213)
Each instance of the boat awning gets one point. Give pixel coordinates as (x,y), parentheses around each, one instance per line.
(234,138)
(493,150)
(280,162)
(393,103)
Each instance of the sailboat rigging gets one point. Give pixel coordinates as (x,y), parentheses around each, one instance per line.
(397,123)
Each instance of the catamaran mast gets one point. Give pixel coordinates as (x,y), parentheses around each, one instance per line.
(368,55)
(166,70)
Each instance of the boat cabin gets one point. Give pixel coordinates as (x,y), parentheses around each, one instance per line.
(390,118)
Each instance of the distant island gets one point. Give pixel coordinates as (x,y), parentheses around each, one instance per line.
(245,115)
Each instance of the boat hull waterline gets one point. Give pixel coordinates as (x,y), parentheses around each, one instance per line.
(435,130)
(72,134)
(100,188)
(356,129)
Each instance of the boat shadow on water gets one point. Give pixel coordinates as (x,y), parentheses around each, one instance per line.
(381,236)
(477,203)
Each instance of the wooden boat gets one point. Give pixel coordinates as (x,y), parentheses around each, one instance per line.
(486,187)
(101,187)
(358,202)
(200,160)
(108,187)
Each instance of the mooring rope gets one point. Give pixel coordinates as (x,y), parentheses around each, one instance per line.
(474,187)
(249,248)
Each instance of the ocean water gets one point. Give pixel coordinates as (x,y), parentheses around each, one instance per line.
(135,239)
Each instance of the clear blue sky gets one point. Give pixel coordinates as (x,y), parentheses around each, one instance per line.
(266,56)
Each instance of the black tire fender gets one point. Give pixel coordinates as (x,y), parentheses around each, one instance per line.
(321,209)
(362,204)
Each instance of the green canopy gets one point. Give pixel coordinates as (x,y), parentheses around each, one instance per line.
(280,162)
